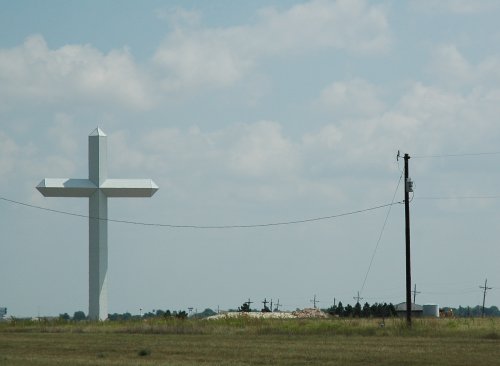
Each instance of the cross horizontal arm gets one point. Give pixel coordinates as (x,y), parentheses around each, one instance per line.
(129,187)
(64,187)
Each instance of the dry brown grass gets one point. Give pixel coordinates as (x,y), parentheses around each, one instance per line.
(251,342)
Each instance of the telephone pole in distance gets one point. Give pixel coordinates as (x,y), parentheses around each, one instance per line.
(485,288)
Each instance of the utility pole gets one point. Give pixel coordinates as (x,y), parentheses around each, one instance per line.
(314,301)
(485,288)
(265,302)
(415,292)
(357,298)
(408,189)
(278,305)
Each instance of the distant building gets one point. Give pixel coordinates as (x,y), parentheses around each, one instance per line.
(416,310)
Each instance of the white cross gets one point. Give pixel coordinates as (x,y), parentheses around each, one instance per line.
(97,188)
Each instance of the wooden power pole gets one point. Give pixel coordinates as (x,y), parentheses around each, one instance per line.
(415,292)
(485,288)
(408,189)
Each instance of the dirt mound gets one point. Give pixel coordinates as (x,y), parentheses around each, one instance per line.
(275,315)
(310,313)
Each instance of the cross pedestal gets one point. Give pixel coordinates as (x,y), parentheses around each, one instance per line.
(97,188)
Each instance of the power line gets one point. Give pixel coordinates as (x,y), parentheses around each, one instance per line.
(456,155)
(455,292)
(457,197)
(245,226)
(381,232)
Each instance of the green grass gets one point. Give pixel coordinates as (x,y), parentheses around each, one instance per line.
(252,342)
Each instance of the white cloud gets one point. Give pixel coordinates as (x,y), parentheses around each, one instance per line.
(465,7)
(352,25)
(246,160)
(8,155)
(209,57)
(62,133)
(246,150)
(353,98)
(326,139)
(449,65)
(261,150)
(72,73)
(178,17)
(222,56)
(476,83)
(190,57)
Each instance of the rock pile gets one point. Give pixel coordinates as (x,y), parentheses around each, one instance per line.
(304,313)
(310,313)
(276,315)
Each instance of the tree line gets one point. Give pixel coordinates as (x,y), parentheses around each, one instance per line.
(80,315)
(376,310)
(379,310)
(476,311)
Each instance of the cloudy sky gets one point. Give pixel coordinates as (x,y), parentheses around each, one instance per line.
(252,113)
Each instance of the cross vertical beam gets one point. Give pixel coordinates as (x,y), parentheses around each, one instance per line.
(98,256)
(98,228)
(97,188)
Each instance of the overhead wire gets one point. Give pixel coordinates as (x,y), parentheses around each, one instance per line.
(455,155)
(381,233)
(457,197)
(243,226)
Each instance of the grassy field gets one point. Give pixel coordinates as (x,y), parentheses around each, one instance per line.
(252,342)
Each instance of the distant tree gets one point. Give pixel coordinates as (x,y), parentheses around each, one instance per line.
(385,310)
(64,316)
(348,311)
(118,317)
(181,314)
(149,315)
(160,313)
(366,312)
(266,309)
(245,308)
(204,314)
(475,311)
(79,315)
(493,311)
(356,311)
(332,310)
(167,314)
(376,310)
(340,309)
(392,310)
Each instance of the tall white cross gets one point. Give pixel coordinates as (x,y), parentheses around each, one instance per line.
(97,188)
